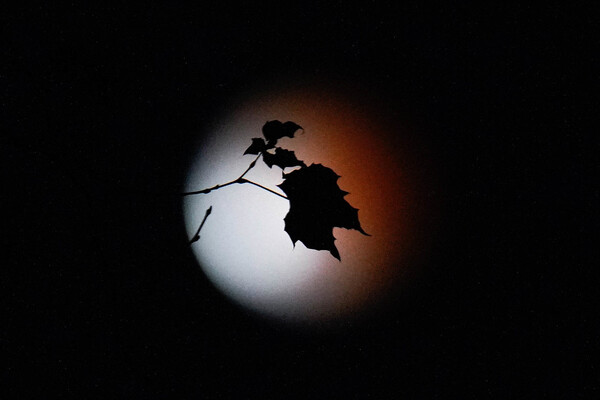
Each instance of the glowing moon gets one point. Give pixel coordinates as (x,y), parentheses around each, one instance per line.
(244,249)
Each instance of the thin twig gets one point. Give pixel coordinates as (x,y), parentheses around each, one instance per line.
(252,164)
(238,180)
(197,234)
(263,187)
(208,190)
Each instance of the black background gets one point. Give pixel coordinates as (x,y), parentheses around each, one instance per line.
(102,296)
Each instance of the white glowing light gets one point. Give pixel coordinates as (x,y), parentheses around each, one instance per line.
(244,249)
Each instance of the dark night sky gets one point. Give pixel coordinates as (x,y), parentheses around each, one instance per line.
(103,298)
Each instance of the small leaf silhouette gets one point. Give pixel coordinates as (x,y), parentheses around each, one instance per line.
(317,205)
(275,130)
(258,145)
(282,158)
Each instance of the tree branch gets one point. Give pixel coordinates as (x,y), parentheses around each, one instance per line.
(240,179)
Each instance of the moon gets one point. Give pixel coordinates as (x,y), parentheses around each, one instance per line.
(243,247)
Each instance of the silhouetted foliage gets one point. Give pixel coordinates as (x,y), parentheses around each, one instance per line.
(275,130)
(317,204)
(282,158)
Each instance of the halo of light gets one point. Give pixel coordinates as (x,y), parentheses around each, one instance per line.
(244,249)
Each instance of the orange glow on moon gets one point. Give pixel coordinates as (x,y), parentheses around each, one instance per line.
(370,154)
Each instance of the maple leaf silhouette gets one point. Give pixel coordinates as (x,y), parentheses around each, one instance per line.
(317,205)
(275,130)
(282,158)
